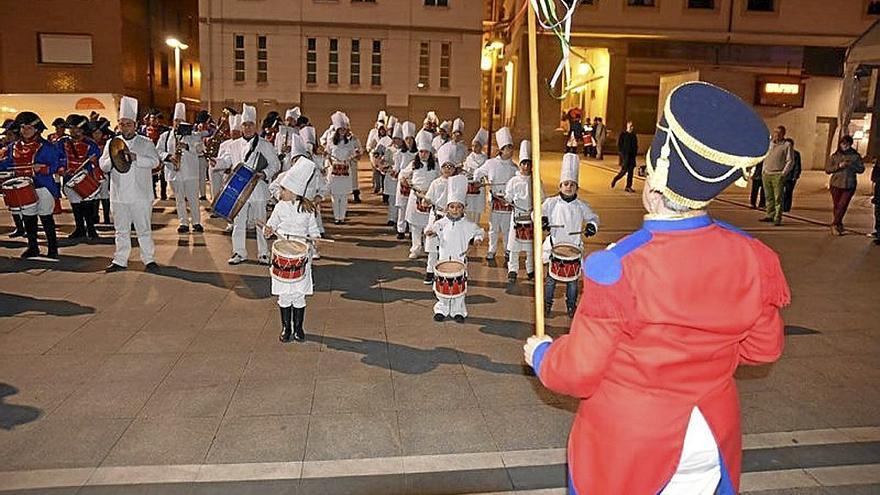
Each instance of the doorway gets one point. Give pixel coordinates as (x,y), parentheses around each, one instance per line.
(823,140)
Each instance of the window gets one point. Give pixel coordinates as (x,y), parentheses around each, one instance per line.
(445,55)
(641,3)
(190,75)
(437,3)
(760,6)
(424,64)
(333,62)
(376,70)
(701,4)
(873,7)
(163,69)
(239,57)
(355,67)
(311,61)
(65,49)
(262,60)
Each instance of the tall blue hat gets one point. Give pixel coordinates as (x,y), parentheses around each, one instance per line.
(707,139)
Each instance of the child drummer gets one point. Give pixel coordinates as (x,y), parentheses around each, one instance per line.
(518,192)
(294,216)
(454,233)
(565,215)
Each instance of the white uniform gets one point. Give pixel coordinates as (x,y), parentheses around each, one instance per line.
(184,182)
(570,216)
(437,196)
(131,194)
(519,192)
(358,149)
(476,203)
(283,138)
(287,220)
(498,172)
(342,167)
(401,160)
(454,237)
(438,141)
(420,179)
(249,151)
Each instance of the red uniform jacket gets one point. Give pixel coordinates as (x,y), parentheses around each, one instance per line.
(667,315)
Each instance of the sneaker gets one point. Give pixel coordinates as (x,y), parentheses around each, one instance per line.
(511,276)
(198,228)
(236,259)
(151,267)
(263,259)
(183,229)
(113,267)
(439,317)
(429,278)
(413,255)
(458,318)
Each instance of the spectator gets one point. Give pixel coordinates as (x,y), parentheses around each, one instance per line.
(875,178)
(589,141)
(628,148)
(575,130)
(791,179)
(756,197)
(777,165)
(600,132)
(844,166)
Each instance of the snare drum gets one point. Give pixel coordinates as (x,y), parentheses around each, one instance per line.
(405,189)
(565,262)
(235,193)
(19,193)
(340,169)
(85,182)
(450,279)
(499,205)
(289,260)
(423,206)
(523,228)
(474,188)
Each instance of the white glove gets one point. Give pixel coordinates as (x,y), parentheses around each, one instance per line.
(531,345)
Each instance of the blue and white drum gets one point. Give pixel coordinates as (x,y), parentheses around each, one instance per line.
(235,192)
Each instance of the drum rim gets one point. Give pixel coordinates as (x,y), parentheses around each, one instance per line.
(15,180)
(242,198)
(282,242)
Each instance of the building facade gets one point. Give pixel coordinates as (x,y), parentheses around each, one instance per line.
(406,57)
(625,53)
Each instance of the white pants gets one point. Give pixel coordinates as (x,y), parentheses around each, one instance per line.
(432,247)
(392,210)
(186,191)
(288,300)
(45,204)
(340,205)
(699,468)
(451,307)
(401,219)
(416,231)
(499,225)
(252,210)
(513,263)
(139,214)
(217,177)
(203,175)
(319,218)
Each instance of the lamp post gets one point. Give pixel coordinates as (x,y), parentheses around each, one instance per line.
(178,46)
(489,62)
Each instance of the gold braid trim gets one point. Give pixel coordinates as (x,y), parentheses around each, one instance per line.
(672,195)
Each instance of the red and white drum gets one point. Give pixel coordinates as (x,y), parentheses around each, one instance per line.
(289,260)
(498,204)
(405,189)
(523,228)
(450,279)
(340,169)
(85,183)
(423,206)
(19,193)
(474,188)
(565,262)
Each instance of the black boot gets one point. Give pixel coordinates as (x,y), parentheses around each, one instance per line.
(285,324)
(30,229)
(299,315)
(357,196)
(88,212)
(105,204)
(19,227)
(48,222)
(79,219)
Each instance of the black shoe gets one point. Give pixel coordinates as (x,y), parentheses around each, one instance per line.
(530,276)
(401,235)
(30,253)
(164,197)
(113,267)
(286,316)
(439,317)
(203,198)
(151,267)
(92,234)
(299,316)
(76,234)
(458,318)
(548,308)
(16,233)
(511,276)
(630,190)
(391,223)
(183,229)
(214,215)
(766,220)
(52,255)
(384,199)
(570,312)
(429,278)
(198,228)
(613,183)
(337,222)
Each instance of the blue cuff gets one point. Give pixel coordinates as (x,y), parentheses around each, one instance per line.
(538,356)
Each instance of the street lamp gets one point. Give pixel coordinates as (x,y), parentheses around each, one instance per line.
(488,62)
(178,46)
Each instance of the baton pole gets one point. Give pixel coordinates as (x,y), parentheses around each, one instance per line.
(536,172)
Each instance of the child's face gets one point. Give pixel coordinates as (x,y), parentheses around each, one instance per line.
(424,155)
(286,195)
(477,147)
(525,167)
(568,187)
(448,169)
(455,210)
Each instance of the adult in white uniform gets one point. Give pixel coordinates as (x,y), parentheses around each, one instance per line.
(442,136)
(342,152)
(183,174)
(378,132)
(461,151)
(476,197)
(497,171)
(285,135)
(519,192)
(402,157)
(131,193)
(218,175)
(258,155)
(358,150)
(454,233)
(436,196)
(418,175)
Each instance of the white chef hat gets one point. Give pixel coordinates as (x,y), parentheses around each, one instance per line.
(423,141)
(432,117)
(503,137)
(409,129)
(397,133)
(458,125)
(446,125)
(128,108)
(338,119)
(346,122)
(382,117)
(525,150)
(446,154)
(308,134)
(456,189)
(179,111)
(298,145)
(248,114)
(296,180)
(571,167)
(392,121)
(235,122)
(481,137)
(292,113)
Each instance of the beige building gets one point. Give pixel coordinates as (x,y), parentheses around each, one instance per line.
(406,57)
(783,56)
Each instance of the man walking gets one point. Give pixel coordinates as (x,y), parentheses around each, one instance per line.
(628,147)
(777,165)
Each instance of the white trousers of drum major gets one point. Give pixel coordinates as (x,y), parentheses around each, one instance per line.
(252,210)
(499,226)
(217,177)
(187,191)
(203,175)
(516,246)
(137,213)
(451,307)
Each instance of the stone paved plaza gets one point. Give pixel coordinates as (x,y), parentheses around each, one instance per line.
(176,383)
